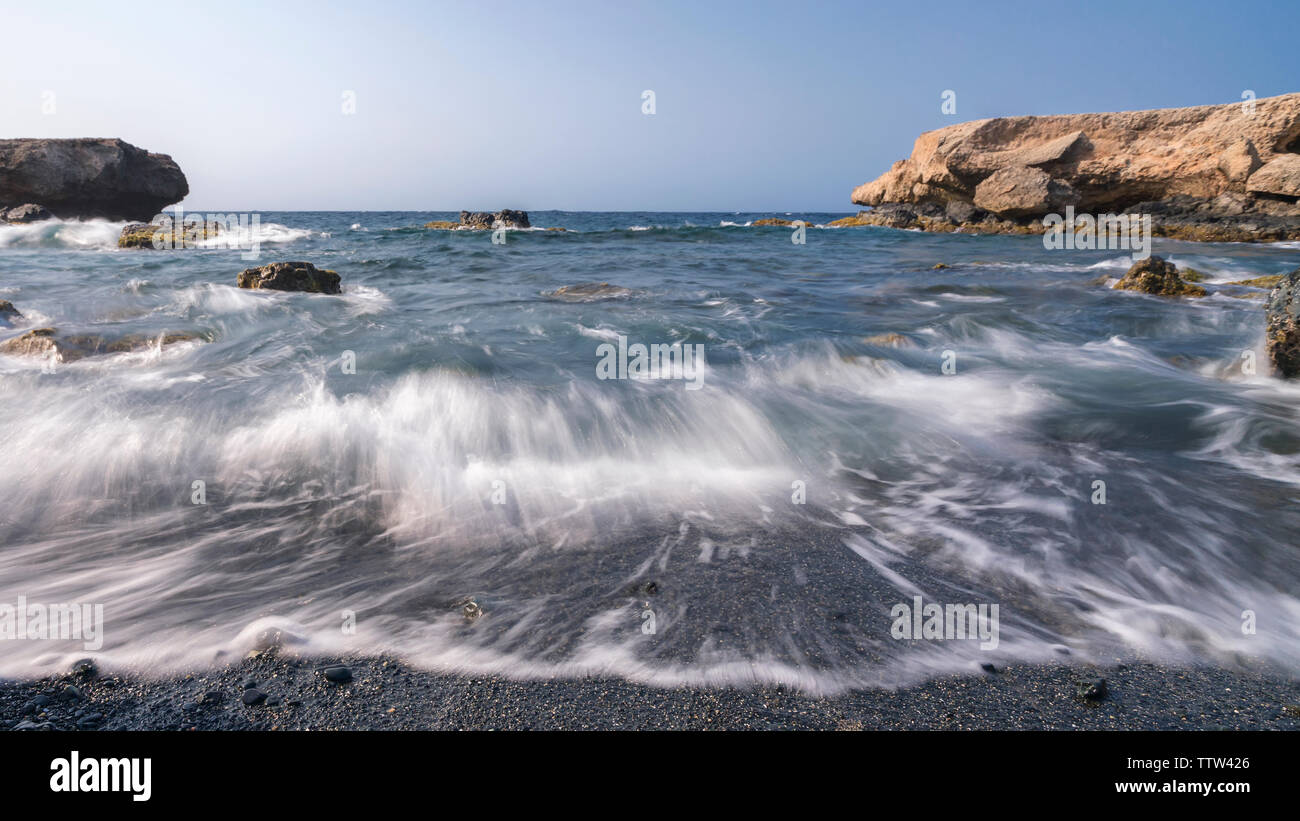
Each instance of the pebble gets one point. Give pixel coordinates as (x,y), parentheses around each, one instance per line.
(1093,689)
(253,696)
(338,675)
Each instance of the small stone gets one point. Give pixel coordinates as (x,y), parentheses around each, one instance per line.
(1093,689)
(338,674)
(253,696)
(73,692)
(213,697)
(90,720)
(85,668)
(41,700)
(988,667)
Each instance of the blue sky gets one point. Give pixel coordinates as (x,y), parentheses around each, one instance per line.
(758,106)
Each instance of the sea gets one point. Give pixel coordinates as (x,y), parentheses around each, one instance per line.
(743,455)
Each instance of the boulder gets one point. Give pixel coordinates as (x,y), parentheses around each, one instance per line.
(291,276)
(1279,176)
(1023,191)
(505,218)
(1282,318)
(89,178)
(69,348)
(29,212)
(1155,275)
(8,313)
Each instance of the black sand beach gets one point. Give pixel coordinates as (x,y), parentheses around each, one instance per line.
(383,694)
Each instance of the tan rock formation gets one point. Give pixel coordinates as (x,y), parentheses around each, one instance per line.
(1111,161)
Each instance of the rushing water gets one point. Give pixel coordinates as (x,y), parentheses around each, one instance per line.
(475,455)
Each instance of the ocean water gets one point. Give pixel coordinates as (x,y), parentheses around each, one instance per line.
(439,434)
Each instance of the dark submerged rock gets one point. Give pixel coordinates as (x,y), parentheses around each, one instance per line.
(588,291)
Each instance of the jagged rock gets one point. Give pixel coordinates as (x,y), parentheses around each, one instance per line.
(1155,275)
(588,291)
(1282,334)
(291,276)
(778,221)
(8,313)
(1115,161)
(29,212)
(1280,176)
(46,342)
(505,218)
(89,178)
(1022,191)
(444,225)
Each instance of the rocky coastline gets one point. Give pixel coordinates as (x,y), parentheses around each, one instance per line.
(1217,173)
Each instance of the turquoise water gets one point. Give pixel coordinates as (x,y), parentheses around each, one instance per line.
(439,433)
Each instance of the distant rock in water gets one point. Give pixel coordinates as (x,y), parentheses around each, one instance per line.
(588,292)
(28,212)
(505,218)
(291,276)
(70,348)
(1208,173)
(1282,314)
(486,220)
(778,221)
(89,178)
(1155,275)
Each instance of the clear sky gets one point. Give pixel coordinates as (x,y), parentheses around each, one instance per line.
(758,105)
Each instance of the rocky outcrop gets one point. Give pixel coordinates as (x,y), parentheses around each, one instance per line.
(486,220)
(48,342)
(166,235)
(1237,166)
(770,221)
(1282,334)
(1155,275)
(27,212)
(291,276)
(89,178)
(505,218)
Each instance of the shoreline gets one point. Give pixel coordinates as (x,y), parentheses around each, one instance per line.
(382,693)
